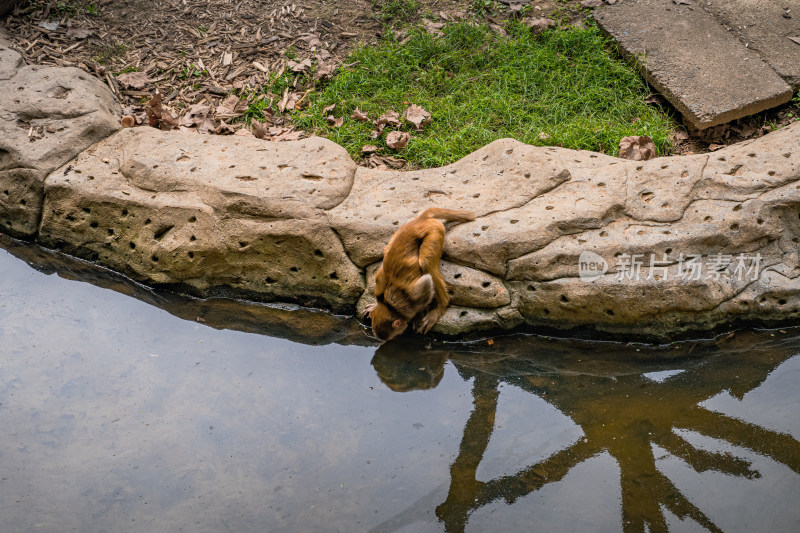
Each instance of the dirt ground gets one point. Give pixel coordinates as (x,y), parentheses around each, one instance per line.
(197,54)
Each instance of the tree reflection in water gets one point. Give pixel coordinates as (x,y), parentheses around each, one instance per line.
(605,389)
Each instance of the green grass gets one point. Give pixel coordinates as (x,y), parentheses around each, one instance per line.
(480,87)
(402,10)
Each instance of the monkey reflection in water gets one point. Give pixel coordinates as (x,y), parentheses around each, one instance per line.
(409,288)
(621,411)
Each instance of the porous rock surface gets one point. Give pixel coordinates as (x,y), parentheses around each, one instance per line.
(300,222)
(47,115)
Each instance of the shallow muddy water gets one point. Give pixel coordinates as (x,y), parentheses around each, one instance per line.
(125,409)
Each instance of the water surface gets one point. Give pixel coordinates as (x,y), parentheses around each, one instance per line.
(126,409)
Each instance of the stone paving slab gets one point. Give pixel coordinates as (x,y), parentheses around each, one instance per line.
(700,67)
(765,26)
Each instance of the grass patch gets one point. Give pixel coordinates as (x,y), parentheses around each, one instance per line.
(401,10)
(559,88)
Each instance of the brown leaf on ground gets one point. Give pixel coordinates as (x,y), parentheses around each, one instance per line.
(637,148)
(390,118)
(260,130)
(133,80)
(231,107)
(335,122)
(287,135)
(359,115)
(679,135)
(291,103)
(397,140)
(431,27)
(795,40)
(78,33)
(654,99)
(224,129)
(302,66)
(368,149)
(417,116)
(328,109)
(244,133)
(540,24)
(715,147)
(384,162)
(374,134)
(128,121)
(158,117)
(195,115)
(324,70)
(311,39)
(207,125)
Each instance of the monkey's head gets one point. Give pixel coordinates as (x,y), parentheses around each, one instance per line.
(386,323)
(398,306)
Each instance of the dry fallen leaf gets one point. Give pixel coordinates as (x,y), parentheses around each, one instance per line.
(260,130)
(795,39)
(368,149)
(359,115)
(299,67)
(432,27)
(158,117)
(417,116)
(390,118)
(637,148)
(78,33)
(335,122)
(311,39)
(680,135)
(328,109)
(133,80)
(715,147)
(324,70)
(195,115)
(397,140)
(231,107)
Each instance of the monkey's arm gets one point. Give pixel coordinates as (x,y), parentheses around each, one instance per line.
(380,288)
(430,253)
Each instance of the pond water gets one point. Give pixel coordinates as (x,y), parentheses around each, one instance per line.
(126,409)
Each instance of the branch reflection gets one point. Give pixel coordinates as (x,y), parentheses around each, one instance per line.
(609,391)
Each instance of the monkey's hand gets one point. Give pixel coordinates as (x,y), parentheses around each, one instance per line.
(370,308)
(429,320)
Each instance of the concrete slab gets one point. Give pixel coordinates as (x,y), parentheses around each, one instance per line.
(700,67)
(765,26)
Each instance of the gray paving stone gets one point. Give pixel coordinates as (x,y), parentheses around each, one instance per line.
(700,67)
(763,27)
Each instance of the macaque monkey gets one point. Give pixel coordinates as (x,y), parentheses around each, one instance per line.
(408,286)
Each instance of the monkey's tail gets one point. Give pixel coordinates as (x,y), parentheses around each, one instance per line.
(448,215)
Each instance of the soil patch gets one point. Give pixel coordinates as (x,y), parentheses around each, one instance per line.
(197,54)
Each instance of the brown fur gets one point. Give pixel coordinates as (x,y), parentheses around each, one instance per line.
(408,286)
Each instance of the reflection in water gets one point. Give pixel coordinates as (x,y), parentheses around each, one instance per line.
(119,413)
(626,405)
